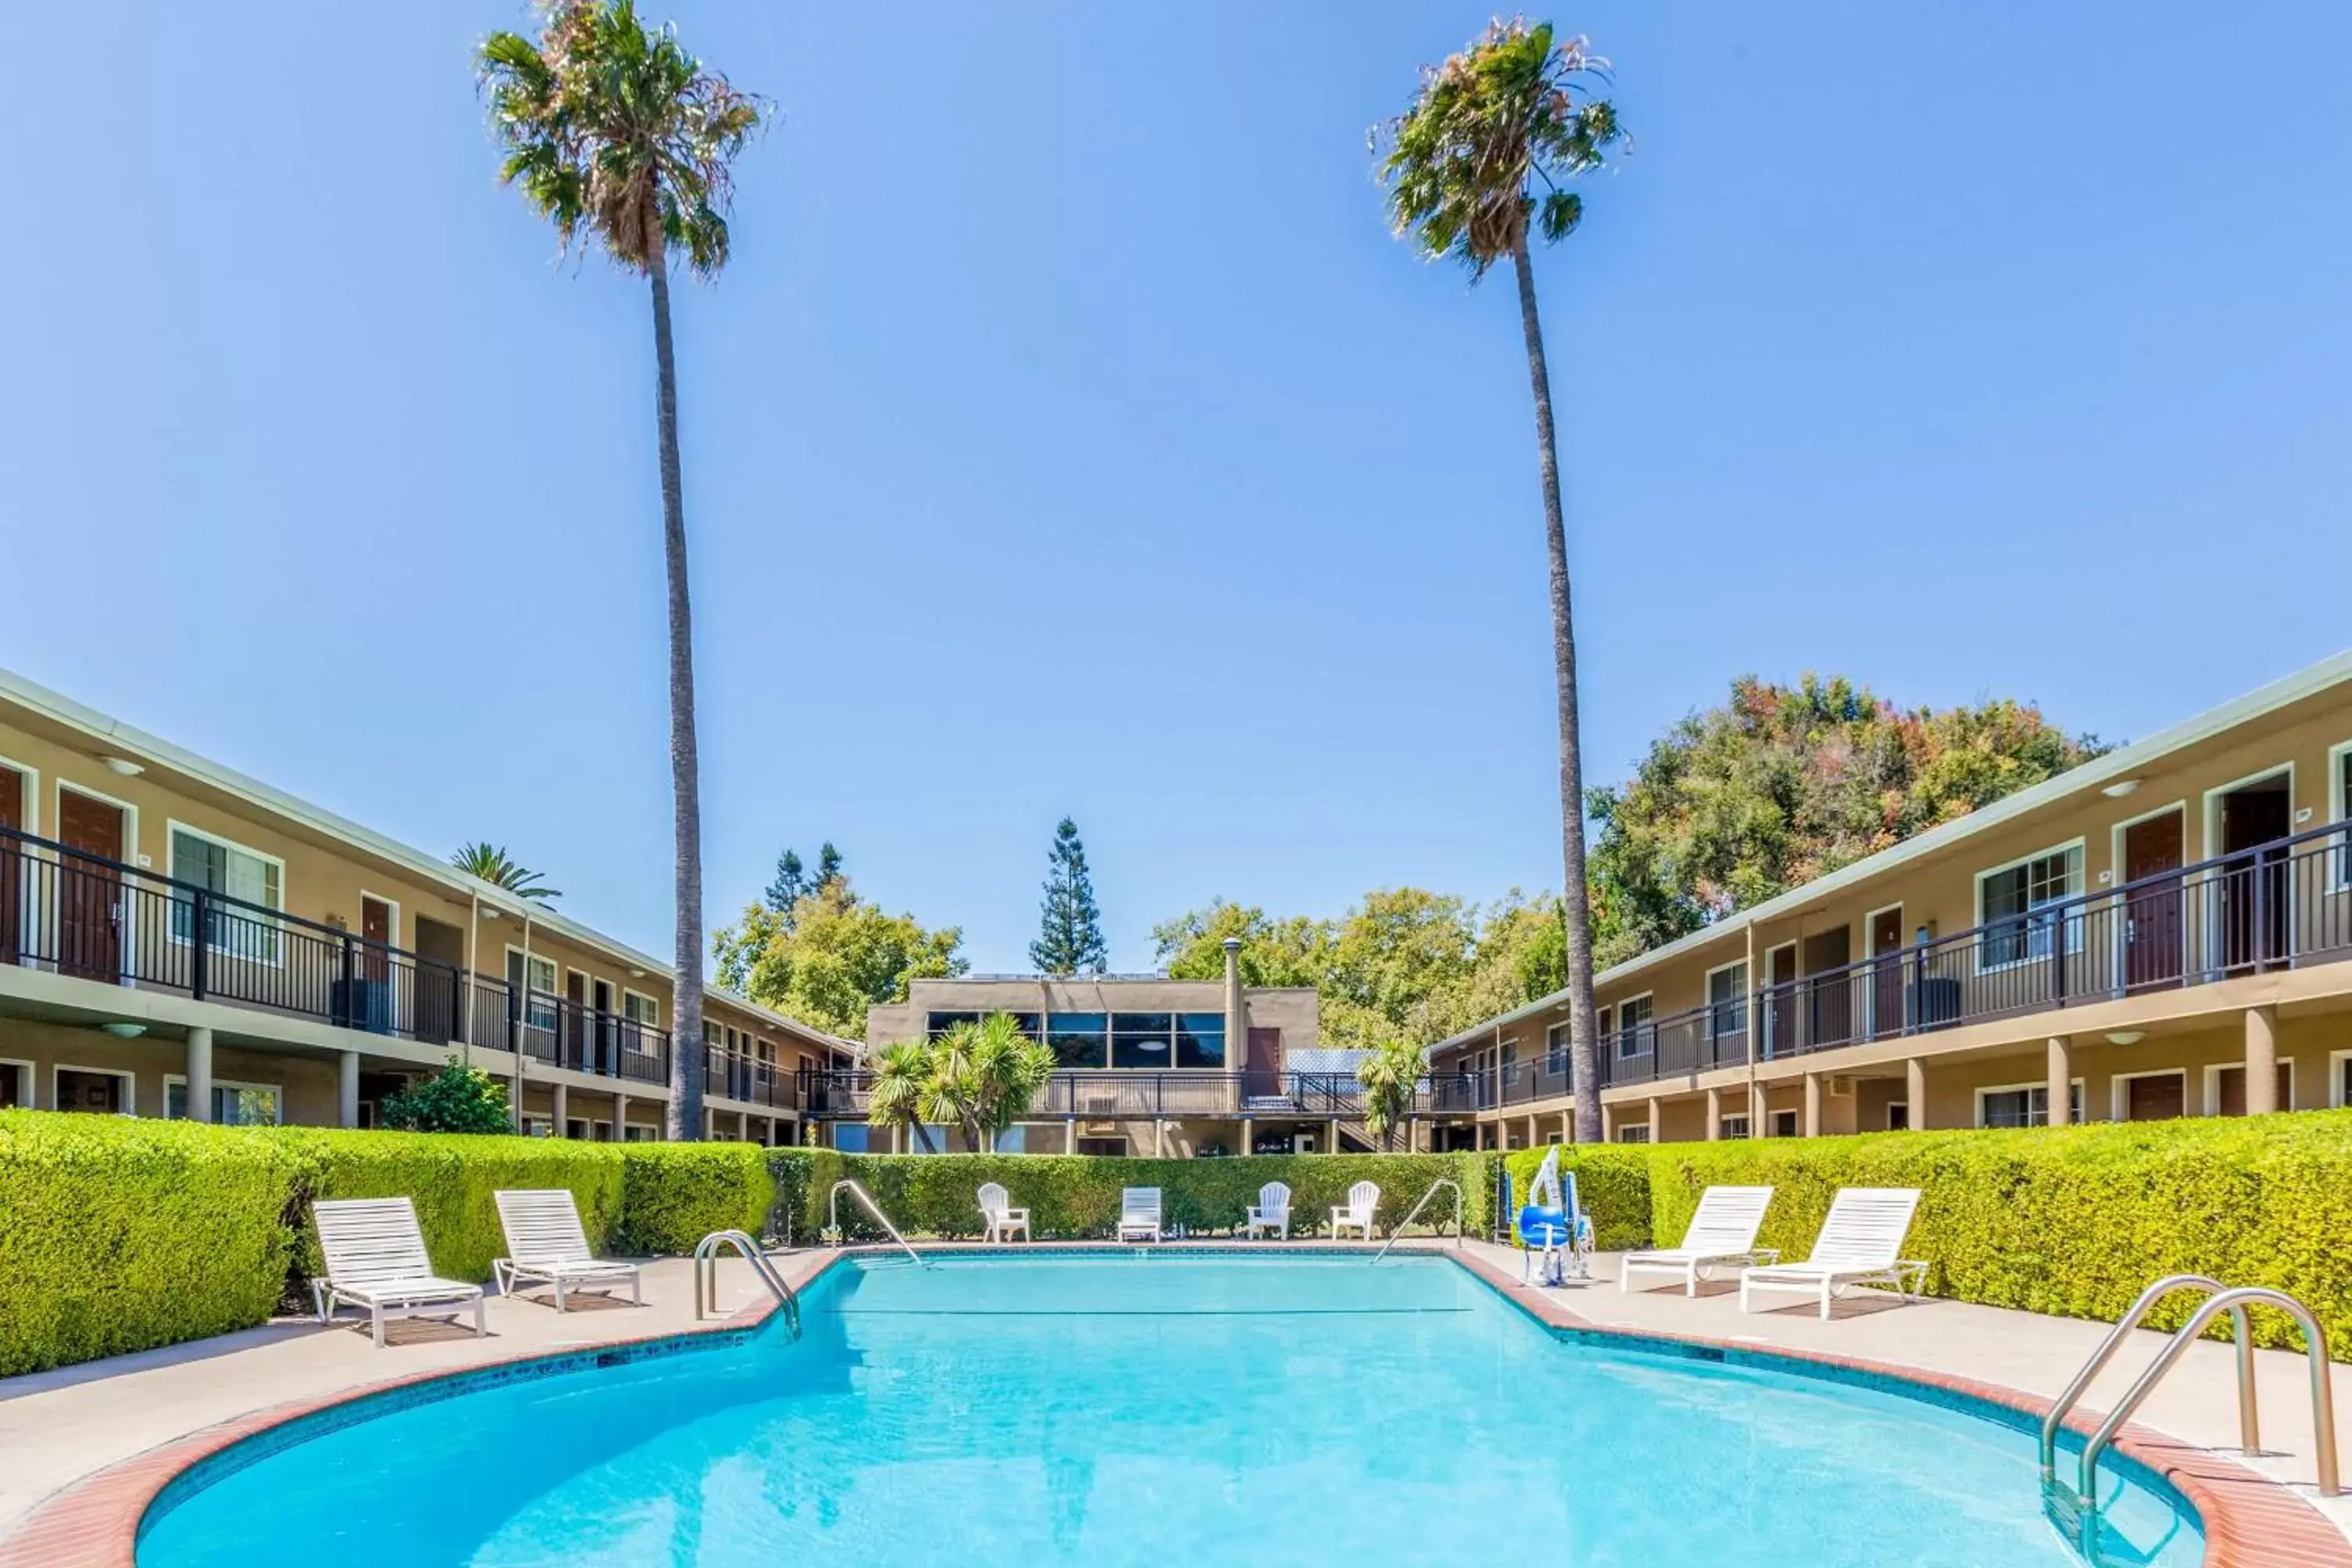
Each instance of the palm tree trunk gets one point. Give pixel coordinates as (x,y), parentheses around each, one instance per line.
(1584,1056)
(686,1056)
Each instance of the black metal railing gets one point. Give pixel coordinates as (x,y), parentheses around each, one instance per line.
(1113,1095)
(1698,1040)
(573,1034)
(733,1075)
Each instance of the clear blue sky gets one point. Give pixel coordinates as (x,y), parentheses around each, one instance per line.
(1069,435)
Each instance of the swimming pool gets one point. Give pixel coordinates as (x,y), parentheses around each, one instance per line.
(1155,1407)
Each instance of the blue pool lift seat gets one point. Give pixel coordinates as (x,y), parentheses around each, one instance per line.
(1554,1229)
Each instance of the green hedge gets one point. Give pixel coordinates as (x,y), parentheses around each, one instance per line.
(1612,1183)
(674,1194)
(1077,1195)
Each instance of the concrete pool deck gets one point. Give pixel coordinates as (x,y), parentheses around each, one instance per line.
(84,1446)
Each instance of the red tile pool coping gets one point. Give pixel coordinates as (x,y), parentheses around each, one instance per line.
(2248,1520)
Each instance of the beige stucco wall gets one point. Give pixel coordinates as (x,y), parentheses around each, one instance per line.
(308,1085)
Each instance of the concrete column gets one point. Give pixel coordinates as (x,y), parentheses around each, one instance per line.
(2062,1080)
(347,1089)
(1236,1009)
(1915,1091)
(1249,1138)
(1331,1135)
(742,1127)
(1714,1114)
(200,1074)
(1070,1138)
(2262,1061)
(1812,1105)
(1158,1139)
(560,1127)
(1531,1132)
(1758,1126)
(1657,1117)
(620,1117)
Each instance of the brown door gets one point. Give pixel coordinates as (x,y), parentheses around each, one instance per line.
(2254,883)
(89,891)
(12,866)
(440,988)
(575,1020)
(1831,1016)
(2152,924)
(376,925)
(1886,971)
(605,1028)
(1264,1073)
(2232,1088)
(2156,1098)
(1780,1001)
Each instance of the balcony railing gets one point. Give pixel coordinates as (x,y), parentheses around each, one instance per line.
(731,1075)
(571,1034)
(1111,1095)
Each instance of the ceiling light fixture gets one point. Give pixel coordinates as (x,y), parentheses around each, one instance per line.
(2126,1037)
(122,766)
(2120,788)
(124,1031)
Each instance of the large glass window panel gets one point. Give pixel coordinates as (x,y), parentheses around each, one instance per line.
(1201,1039)
(1634,1028)
(1142,1039)
(1726,1000)
(236,873)
(1079,1039)
(937,1023)
(2015,930)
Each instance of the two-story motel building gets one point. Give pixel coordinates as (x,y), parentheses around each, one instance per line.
(2160,933)
(179,940)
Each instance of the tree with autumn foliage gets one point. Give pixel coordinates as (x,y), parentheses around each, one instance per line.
(1783,784)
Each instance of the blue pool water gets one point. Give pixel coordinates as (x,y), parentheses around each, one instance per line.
(1156,1409)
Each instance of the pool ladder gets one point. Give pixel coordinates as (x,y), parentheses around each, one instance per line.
(833,1216)
(2081,1507)
(1414,1213)
(706,1276)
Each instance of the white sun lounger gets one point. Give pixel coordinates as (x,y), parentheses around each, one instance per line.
(376,1261)
(1139,1214)
(1003,1220)
(1861,1244)
(1356,1213)
(1272,1212)
(547,1245)
(1722,1232)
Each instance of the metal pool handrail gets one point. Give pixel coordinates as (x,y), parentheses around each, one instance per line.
(2051,1422)
(2314,1343)
(833,1215)
(1414,1213)
(706,1275)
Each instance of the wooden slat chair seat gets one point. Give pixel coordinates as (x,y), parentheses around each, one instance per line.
(547,1245)
(376,1261)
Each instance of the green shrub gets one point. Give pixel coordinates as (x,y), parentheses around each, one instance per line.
(119,1234)
(1078,1196)
(674,1194)
(1612,1183)
(457,1098)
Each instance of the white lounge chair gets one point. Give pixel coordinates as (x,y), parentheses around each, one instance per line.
(1722,1232)
(1861,1244)
(376,1261)
(1139,1214)
(1356,1213)
(1003,1220)
(1272,1212)
(546,1245)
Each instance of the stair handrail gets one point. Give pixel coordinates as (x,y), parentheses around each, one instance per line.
(2247,1422)
(706,1275)
(833,1215)
(1414,1213)
(2323,1398)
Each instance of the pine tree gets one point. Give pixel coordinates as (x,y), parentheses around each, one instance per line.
(1069,936)
(828,865)
(790,884)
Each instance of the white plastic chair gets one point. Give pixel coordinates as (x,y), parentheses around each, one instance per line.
(376,1261)
(1272,1212)
(1356,1213)
(1139,1214)
(1003,1220)
(546,1245)
(1861,1244)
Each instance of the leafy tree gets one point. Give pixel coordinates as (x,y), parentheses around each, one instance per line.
(1780,784)
(1390,1076)
(1512,113)
(791,882)
(623,142)
(491,863)
(1069,936)
(457,1098)
(831,956)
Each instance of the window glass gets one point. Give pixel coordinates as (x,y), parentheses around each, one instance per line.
(1726,1000)
(1201,1039)
(1634,1034)
(1556,1050)
(640,1009)
(851,1137)
(1012,1140)
(1142,1039)
(1079,1039)
(538,977)
(1735,1127)
(1633,1132)
(234,1104)
(2014,932)
(236,873)
(937,1023)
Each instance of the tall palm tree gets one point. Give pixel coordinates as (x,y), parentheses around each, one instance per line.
(1483,156)
(491,863)
(619,137)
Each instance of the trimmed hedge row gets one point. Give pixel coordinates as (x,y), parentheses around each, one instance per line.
(1078,1196)
(1612,1183)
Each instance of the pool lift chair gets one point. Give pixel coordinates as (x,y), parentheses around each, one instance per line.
(1554,1230)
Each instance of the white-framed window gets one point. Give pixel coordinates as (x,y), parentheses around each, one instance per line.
(638,1132)
(1556,1050)
(531,979)
(1727,999)
(638,1008)
(103,1089)
(2024,1105)
(1634,1038)
(234,1104)
(1633,1132)
(1735,1127)
(248,876)
(2014,907)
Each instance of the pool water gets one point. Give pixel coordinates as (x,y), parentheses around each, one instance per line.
(1157,1408)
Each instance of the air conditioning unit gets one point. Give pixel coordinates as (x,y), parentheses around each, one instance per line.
(1099,1130)
(1841,1085)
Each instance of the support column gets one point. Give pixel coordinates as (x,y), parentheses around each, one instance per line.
(620,1117)
(1714,1114)
(2262,1061)
(1069,1137)
(1158,1139)
(1812,1105)
(1657,1118)
(200,1074)
(1758,1125)
(1332,1133)
(1914,1090)
(1532,1131)
(1237,1016)
(347,1089)
(1249,1136)
(560,1125)
(2062,1080)
(742,1127)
